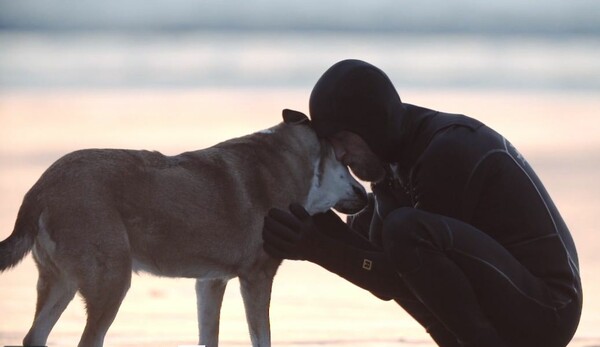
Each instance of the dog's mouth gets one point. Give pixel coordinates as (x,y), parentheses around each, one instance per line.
(354,205)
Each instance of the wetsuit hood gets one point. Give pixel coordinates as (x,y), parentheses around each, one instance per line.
(358,97)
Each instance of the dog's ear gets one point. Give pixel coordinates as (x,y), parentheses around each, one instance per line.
(294,117)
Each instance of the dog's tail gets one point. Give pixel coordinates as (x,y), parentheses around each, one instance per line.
(20,242)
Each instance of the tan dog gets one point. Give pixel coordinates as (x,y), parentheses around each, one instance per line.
(95,215)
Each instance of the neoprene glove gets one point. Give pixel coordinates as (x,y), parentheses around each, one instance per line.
(296,235)
(289,235)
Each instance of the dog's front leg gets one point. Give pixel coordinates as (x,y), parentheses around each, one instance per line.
(209,297)
(256,292)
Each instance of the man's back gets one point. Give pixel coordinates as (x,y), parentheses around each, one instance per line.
(473,174)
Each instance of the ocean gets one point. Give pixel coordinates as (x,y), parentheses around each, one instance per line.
(99,59)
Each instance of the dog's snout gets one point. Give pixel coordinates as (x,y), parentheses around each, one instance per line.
(355,203)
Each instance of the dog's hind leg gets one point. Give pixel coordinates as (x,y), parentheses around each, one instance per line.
(103,292)
(256,292)
(209,296)
(55,292)
(104,275)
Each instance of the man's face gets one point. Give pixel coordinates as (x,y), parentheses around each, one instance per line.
(354,152)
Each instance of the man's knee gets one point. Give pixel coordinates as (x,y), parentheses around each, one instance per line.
(407,230)
(401,225)
(399,237)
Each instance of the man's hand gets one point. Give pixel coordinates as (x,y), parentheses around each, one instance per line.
(289,235)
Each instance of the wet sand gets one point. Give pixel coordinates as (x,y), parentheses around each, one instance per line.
(558,133)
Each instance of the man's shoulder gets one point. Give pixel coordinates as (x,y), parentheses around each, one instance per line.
(444,120)
(436,120)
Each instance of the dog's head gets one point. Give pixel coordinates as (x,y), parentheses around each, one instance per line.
(332,184)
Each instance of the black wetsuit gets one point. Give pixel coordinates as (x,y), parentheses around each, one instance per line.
(481,242)
(465,237)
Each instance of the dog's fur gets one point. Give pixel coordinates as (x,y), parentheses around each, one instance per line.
(96,215)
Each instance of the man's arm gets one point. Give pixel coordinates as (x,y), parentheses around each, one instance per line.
(296,235)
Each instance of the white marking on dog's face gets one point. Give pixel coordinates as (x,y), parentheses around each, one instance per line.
(334,186)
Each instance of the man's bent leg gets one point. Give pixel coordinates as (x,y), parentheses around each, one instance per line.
(438,283)
(466,279)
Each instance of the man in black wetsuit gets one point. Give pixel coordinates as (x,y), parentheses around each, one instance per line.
(461,232)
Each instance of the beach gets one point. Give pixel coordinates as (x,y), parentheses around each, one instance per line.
(174,76)
(557,131)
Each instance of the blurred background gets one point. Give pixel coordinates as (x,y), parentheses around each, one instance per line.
(267,43)
(181,75)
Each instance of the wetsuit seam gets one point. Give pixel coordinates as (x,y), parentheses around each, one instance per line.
(450,236)
(478,164)
(521,243)
(508,279)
